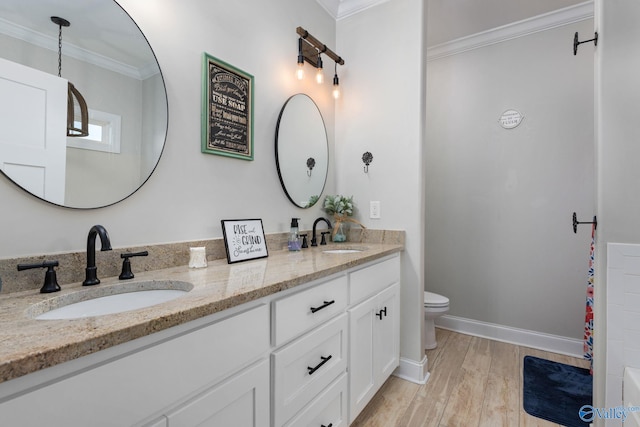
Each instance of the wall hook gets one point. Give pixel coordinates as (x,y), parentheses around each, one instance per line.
(367,158)
(577,43)
(311,162)
(576,222)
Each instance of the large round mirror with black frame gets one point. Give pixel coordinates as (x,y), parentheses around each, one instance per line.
(302,152)
(107,58)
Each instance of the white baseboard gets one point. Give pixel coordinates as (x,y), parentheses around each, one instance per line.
(523,337)
(413,371)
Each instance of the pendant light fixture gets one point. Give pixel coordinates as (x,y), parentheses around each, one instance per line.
(310,49)
(336,83)
(76,105)
(320,72)
(300,69)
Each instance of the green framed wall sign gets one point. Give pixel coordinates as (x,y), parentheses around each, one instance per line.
(227,109)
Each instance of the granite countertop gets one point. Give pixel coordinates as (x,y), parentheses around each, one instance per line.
(28,345)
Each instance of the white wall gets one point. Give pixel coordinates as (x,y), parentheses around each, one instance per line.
(618,97)
(381,111)
(190,192)
(498,221)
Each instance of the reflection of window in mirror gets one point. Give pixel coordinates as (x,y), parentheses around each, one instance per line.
(104,133)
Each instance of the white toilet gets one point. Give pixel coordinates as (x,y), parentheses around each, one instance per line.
(435,305)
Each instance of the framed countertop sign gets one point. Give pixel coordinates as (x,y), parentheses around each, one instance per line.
(227,109)
(244,239)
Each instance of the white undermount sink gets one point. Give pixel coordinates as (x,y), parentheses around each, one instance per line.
(109,300)
(342,251)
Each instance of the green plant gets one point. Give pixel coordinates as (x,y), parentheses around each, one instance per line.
(312,201)
(339,205)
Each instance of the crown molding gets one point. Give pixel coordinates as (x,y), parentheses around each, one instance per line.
(47,42)
(340,9)
(547,21)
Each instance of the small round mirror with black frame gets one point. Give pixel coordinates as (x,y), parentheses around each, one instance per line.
(103,54)
(302,151)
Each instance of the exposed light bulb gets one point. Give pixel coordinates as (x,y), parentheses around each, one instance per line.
(336,83)
(319,73)
(336,89)
(300,71)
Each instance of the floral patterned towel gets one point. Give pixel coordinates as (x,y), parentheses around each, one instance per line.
(588,321)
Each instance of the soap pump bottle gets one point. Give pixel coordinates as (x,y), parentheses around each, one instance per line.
(294,238)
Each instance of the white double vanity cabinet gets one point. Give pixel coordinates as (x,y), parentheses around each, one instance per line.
(312,355)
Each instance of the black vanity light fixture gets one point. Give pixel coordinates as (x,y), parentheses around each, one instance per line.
(310,49)
(76,105)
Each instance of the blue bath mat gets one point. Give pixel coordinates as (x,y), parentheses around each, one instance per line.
(555,392)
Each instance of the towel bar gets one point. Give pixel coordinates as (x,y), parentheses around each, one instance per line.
(576,222)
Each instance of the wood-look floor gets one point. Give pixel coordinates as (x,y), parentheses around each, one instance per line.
(474,382)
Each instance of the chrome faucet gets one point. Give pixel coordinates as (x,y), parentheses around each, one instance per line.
(91,277)
(314,240)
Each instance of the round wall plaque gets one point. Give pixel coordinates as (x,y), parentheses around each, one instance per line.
(511,119)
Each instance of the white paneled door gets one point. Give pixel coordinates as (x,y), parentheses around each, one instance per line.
(33,129)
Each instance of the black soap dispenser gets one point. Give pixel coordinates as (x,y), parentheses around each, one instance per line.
(294,238)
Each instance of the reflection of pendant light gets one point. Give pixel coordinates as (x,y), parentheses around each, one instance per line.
(76,105)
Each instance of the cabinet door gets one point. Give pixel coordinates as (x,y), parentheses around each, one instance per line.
(241,401)
(362,376)
(374,349)
(386,346)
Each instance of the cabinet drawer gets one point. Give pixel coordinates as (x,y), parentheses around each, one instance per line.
(241,401)
(306,366)
(371,280)
(328,409)
(302,311)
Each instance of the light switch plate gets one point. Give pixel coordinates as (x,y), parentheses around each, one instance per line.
(374,209)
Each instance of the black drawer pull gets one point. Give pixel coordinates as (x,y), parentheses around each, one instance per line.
(384,310)
(330,425)
(326,304)
(324,360)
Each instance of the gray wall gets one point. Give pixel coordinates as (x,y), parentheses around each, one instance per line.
(499,202)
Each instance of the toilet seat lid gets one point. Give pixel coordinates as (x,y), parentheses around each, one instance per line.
(435,300)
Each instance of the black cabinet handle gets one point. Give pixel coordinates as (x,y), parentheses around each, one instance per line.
(324,360)
(326,304)
(379,314)
(330,425)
